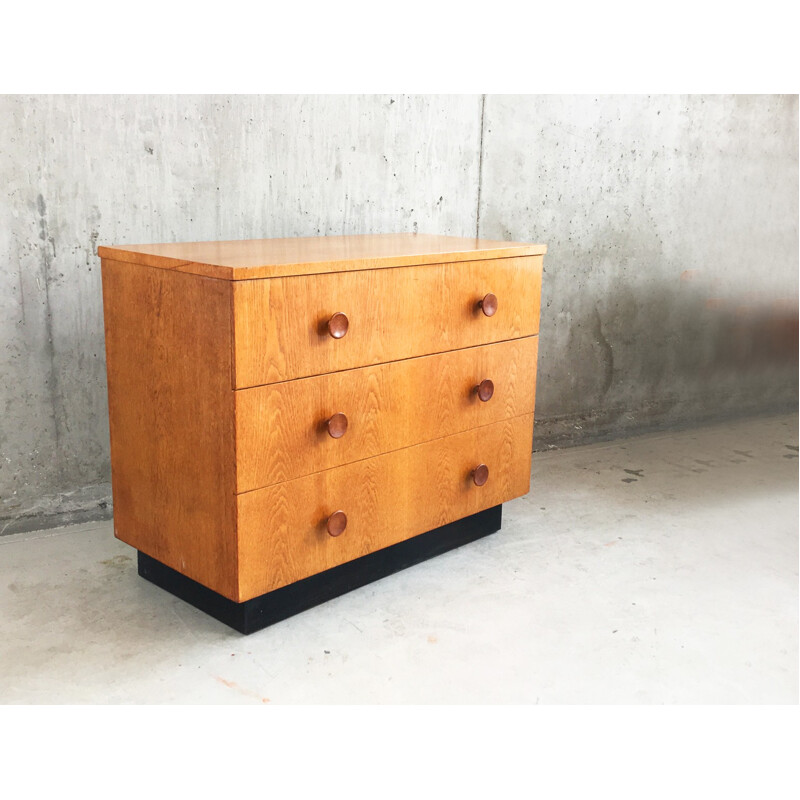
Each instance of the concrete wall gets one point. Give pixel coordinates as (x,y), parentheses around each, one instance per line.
(671,222)
(670,291)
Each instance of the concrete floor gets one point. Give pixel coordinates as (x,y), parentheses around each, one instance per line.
(659,569)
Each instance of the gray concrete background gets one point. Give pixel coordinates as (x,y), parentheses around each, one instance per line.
(670,286)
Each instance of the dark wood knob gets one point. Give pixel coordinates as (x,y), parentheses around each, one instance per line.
(485,390)
(480,474)
(488,305)
(336,523)
(338,325)
(337,426)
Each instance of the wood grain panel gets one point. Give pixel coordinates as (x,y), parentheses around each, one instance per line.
(171,415)
(387,499)
(273,258)
(280,430)
(280,324)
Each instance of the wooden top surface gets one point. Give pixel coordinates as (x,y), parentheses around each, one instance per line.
(274,258)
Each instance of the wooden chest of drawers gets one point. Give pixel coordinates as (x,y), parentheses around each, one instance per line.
(292,418)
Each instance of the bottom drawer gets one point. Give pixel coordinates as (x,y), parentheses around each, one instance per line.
(283,529)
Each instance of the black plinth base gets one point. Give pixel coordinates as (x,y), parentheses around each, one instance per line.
(255,614)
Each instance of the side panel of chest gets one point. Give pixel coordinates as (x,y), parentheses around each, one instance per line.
(171,418)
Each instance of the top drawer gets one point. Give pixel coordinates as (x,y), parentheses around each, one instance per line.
(281,328)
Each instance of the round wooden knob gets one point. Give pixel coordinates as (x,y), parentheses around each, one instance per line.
(488,305)
(480,474)
(338,325)
(485,390)
(336,523)
(337,426)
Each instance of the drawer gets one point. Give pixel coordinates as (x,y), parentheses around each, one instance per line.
(281,430)
(282,529)
(283,326)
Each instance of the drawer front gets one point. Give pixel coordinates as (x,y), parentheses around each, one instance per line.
(283,534)
(282,331)
(286,430)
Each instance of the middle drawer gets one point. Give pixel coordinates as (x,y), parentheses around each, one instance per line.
(287,430)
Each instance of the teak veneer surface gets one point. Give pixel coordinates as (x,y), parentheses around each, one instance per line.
(272,258)
(222,373)
(387,499)
(171,415)
(280,427)
(280,328)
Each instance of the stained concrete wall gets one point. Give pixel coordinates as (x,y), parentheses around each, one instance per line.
(671,222)
(671,284)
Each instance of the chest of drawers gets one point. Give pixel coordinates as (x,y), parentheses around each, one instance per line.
(293,418)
